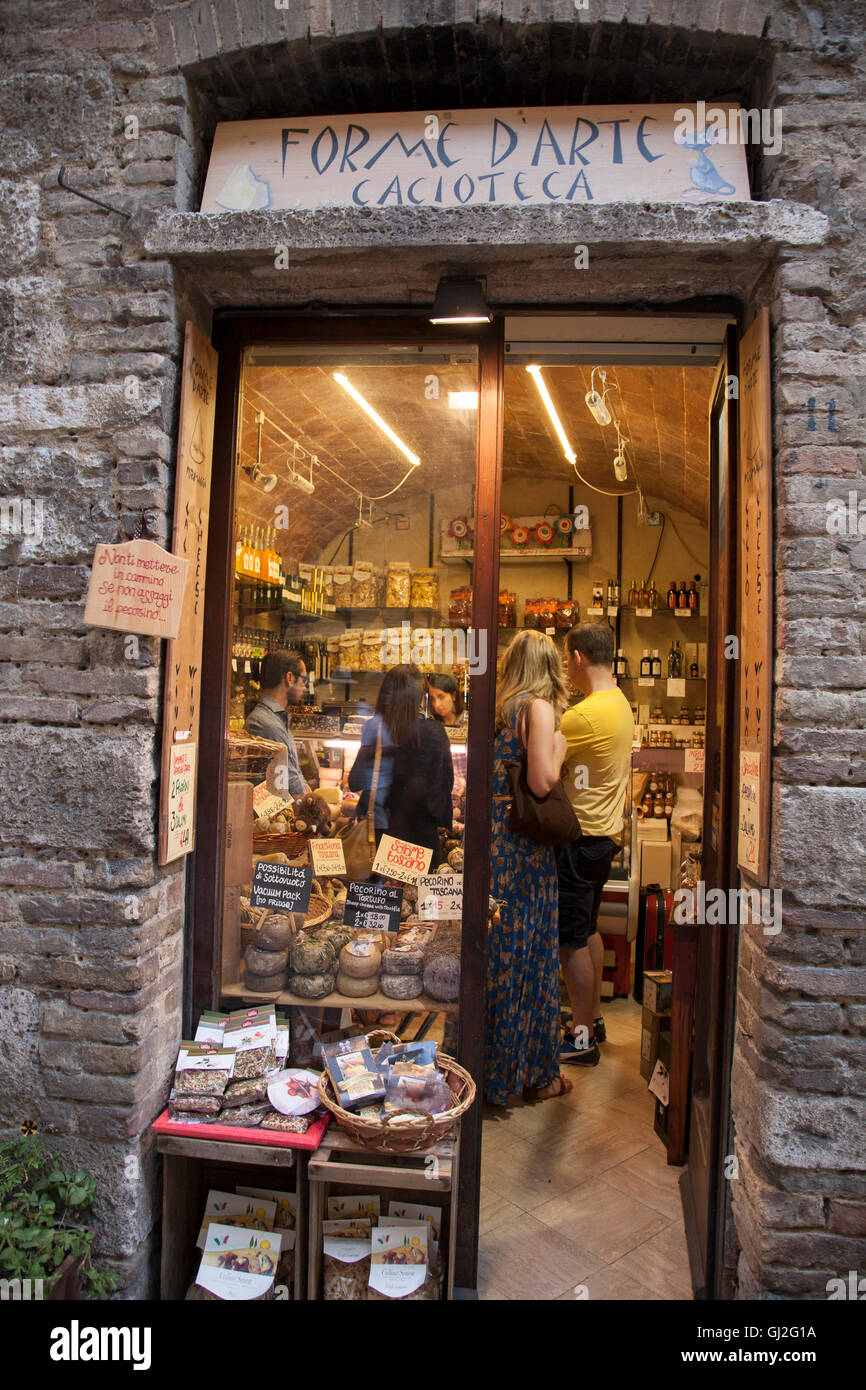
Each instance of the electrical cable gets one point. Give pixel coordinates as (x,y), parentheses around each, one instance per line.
(659,546)
(686,548)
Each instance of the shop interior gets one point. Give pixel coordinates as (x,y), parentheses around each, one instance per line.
(354,518)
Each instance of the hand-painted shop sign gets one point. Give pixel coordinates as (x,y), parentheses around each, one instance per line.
(514,157)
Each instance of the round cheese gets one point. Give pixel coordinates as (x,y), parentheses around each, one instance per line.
(265,962)
(407,960)
(442,977)
(361,960)
(355,988)
(401,986)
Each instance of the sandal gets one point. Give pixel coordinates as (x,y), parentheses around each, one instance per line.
(534,1092)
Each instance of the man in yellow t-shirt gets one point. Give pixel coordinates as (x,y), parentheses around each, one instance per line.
(599,732)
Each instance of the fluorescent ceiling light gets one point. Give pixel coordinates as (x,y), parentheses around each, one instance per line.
(463,400)
(535,373)
(376,418)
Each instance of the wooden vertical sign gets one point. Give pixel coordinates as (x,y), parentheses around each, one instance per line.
(756,599)
(183,654)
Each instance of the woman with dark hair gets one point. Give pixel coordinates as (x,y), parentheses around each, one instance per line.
(413,796)
(446,700)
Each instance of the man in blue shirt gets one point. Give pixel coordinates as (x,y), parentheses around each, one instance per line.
(283,683)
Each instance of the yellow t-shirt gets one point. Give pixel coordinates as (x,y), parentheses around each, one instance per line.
(599,734)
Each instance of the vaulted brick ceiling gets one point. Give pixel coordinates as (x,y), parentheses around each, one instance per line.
(663,411)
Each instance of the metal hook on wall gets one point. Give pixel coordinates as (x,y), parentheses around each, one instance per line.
(61,179)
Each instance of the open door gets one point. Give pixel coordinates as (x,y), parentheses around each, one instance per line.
(716,965)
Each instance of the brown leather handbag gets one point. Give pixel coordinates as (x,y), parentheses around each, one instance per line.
(547,820)
(359,838)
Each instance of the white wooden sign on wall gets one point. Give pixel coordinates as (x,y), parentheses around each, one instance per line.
(534,156)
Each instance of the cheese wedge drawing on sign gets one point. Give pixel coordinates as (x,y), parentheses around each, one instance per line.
(244,191)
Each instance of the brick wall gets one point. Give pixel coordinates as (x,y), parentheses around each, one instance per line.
(90,929)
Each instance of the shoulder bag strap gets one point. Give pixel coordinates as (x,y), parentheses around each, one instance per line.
(523,726)
(374,786)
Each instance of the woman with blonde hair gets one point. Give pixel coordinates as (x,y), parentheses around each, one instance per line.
(522,1040)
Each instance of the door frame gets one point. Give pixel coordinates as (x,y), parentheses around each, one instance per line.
(233,331)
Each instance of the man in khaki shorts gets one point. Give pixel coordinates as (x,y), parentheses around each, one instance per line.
(599,732)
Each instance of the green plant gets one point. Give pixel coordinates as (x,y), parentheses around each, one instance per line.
(42,1218)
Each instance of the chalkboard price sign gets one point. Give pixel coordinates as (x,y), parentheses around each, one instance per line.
(373,906)
(282,887)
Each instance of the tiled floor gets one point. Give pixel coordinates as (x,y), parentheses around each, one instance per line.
(577,1200)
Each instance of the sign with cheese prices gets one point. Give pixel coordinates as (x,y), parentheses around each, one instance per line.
(401,859)
(440,897)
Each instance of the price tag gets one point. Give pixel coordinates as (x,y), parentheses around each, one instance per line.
(248,670)
(282,887)
(646,680)
(643,612)
(694,760)
(265,803)
(612,612)
(597,611)
(328,857)
(684,612)
(550,631)
(234,663)
(401,859)
(440,897)
(373,906)
(677,686)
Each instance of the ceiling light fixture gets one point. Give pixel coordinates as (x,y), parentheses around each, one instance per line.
(596,402)
(266,481)
(535,373)
(296,479)
(376,418)
(463,400)
(620,462)
(460,301)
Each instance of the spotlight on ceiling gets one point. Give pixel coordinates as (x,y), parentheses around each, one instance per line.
(620,467)
(596,402)
(460,301)
(266,481)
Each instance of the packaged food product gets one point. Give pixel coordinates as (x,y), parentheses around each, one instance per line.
(287,1124)
(236,1209)
(567,613)
(239,1264)
(181,1106)
(342,583)
(248,1116)
(460,607)
(246,1092)
(294,1091)
(399,1266)
(371,650)
(398,585)
(203,1070)
(425,588)
(507,608)
(345,1260)
(355,1075)
(363,588)
(253,1034)
(350,649)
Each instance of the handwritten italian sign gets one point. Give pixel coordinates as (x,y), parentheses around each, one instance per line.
(518,157)
(749,825)
(373,906)
(401,859)
(328,857)
(756,578)
(181,799)
(265,803)
(285,887)
(440,897)
(136,587)
(191,511)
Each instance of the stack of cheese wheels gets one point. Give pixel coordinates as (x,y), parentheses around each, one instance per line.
(359,965)
(313,967)
(402,970)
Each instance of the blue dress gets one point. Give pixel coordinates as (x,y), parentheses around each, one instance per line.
(522,1038)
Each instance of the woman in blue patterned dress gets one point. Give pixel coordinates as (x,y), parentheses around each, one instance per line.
(522,1036)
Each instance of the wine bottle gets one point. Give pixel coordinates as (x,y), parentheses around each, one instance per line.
(646,664)
(693,596)
(682,598)
(656,664)
(672,594)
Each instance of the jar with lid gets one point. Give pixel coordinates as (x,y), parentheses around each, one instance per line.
(507,608)
(425,588)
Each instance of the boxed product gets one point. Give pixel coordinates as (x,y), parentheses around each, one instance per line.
(652,1026)
(657,990)
(355,1075)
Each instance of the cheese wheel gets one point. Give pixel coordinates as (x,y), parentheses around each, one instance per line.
(311,986)
(264,984)
(360,966)
(310,957)
(355,988)
(276,932)
(265,962)
(442,977)
(408,960)
(401,986)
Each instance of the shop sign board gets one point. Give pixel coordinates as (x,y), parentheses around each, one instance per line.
(191,510)
(401,859)
(328,857)
(373,906)
(440,897)
(562,156)
(756,595)
(181,799)
(281,887)
(136,587)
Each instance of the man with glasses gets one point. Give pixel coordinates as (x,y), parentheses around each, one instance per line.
(283,683)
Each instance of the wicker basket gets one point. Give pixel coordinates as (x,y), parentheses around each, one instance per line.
(414,1132)
(292,845)
(250,758)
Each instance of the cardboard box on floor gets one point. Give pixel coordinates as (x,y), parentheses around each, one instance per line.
(652,1026)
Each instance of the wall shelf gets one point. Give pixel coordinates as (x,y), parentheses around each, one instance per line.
(571,557)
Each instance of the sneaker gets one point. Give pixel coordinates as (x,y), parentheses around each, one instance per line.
(599,1032)
(581,1056)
